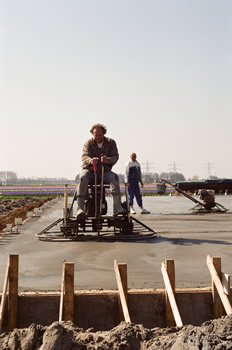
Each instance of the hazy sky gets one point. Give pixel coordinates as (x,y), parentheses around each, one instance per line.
(158,74)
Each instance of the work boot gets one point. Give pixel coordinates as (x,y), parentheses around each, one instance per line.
(132,211)
(80,207)
(144,211)
(118,209)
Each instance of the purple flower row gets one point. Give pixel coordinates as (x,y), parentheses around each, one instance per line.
(43,190)
(34,193)
(2,188)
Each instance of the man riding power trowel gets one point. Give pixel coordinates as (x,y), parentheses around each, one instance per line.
(99,155)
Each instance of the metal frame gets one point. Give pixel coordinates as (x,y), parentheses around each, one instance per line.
(96,228)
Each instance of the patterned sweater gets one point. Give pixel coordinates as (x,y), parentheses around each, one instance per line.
(133,172)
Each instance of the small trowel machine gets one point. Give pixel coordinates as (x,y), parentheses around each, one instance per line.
(208,204)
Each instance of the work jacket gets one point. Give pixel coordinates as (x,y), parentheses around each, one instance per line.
(91,150)
(133,172)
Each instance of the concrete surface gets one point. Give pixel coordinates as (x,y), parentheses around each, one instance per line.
(182,236)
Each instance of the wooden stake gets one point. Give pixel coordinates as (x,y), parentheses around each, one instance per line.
(69,292)
(217,304)
(218,294)
(121,293)
(3,299)
(170,294)
(170,268)
(123,274)
(13,292)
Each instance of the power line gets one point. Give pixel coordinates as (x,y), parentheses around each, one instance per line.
(209,167)
(175,167)
(148,166)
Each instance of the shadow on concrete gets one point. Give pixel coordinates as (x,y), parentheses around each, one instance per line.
(7,239)
(172,214)
(155,240)
(191,241)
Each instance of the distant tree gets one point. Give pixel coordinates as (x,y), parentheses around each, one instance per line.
(148,178)
(156,177)
(213,177)
(8,175)
(164,176)
(172,177)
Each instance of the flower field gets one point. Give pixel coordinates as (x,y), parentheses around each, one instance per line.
(40,190)
(46,190)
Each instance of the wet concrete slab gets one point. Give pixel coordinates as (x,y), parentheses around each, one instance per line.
(187,238)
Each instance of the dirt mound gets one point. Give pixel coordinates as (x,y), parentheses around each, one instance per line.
(212,335)
(18,208)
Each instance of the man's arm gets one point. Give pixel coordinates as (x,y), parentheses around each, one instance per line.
(86,155)
(113,155)
(140,175)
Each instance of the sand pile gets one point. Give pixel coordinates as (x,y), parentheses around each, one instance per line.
(215,334)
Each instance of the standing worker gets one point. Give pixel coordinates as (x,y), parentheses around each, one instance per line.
(132,179)
(97,152)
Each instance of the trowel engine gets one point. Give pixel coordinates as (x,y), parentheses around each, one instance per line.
(208,198)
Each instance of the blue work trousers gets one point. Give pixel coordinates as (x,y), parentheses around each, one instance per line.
(134,190)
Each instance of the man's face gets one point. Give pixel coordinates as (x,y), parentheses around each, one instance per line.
(98,135)
(133,157)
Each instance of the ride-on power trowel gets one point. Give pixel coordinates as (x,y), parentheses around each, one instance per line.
(94,223)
